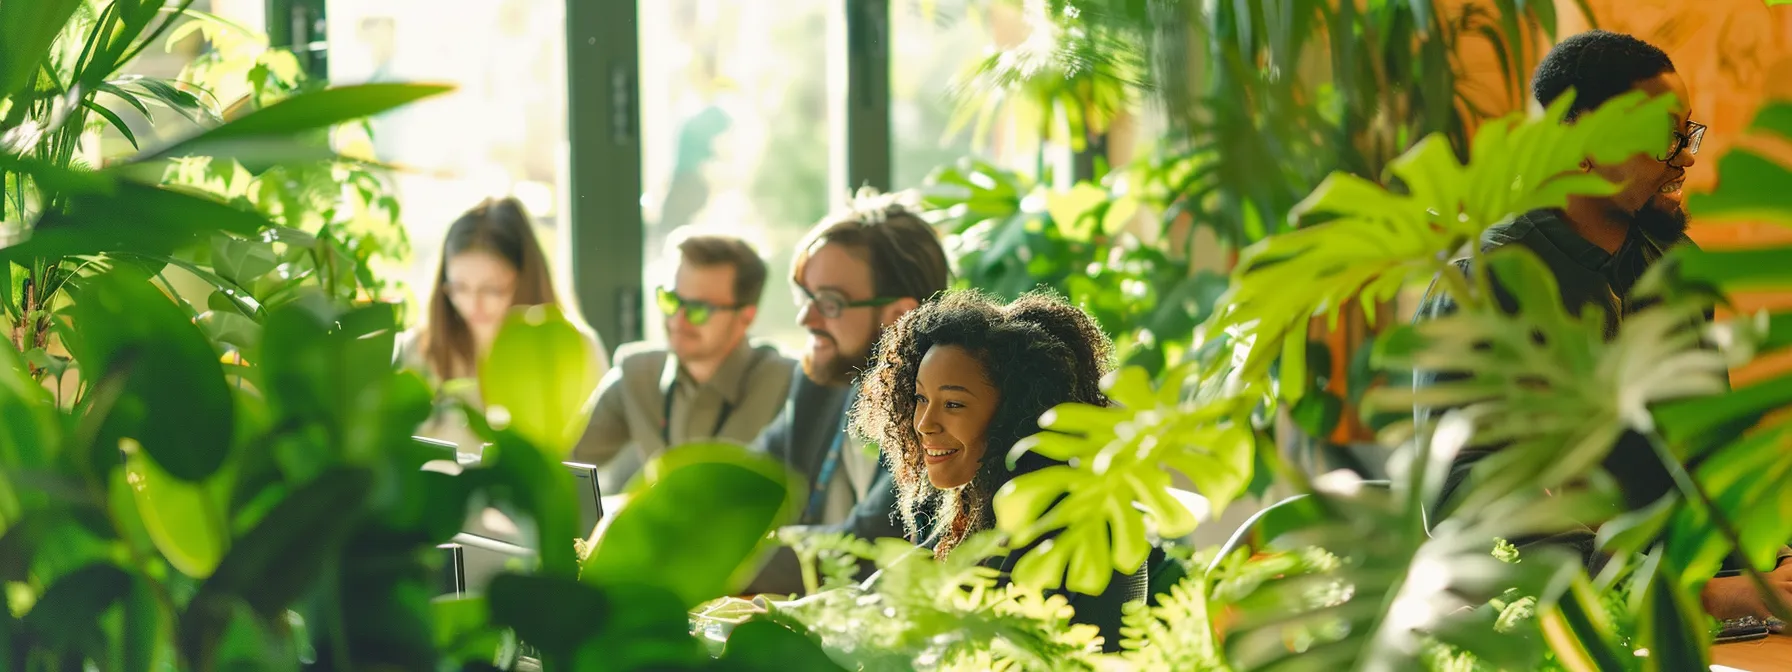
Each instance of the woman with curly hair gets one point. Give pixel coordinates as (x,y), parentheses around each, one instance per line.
(956,383)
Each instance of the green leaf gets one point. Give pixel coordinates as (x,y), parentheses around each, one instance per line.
(134,218)
(28,30)
(1735,270)
(124,129)
(1069,209)
(68,613)
(175,403)
(1684,420)
(554,615)
(761,645)
(186,521)
(278,561)
(31,435)
(1671,625)
(265,135)
(1376,242)
(317,370)
(655,540)
(231,328)
(463,629)
(540,374)
(242,261)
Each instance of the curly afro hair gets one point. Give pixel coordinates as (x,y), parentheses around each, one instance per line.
(1037,352)
(1599,66)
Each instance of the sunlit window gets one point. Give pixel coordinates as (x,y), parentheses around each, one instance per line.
(734,118)
(502,132)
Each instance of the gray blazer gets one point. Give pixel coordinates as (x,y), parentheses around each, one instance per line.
(629,422)
(801,437)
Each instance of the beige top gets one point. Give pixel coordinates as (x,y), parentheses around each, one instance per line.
(629,415)
(629,411)
(448,423)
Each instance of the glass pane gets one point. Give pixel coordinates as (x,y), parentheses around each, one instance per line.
(934,45)
(734,121)
(501,132)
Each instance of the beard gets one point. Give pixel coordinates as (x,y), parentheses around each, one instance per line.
(1664,225)
(839,369)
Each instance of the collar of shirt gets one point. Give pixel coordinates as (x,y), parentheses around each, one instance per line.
(730,379)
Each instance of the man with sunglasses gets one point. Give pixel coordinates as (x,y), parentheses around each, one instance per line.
(708,382)
(1598,247)
(855,274)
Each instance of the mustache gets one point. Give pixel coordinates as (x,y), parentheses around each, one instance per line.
(823,334)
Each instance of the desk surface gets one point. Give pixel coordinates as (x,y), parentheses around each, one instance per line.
(1772,654)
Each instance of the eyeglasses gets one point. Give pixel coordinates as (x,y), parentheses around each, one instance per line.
(696,312)
(831,303)
(1687,141)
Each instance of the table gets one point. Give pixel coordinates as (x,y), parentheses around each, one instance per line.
(1772,654)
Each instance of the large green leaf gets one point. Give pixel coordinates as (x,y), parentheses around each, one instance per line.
(1122,455)
(28,29)
(761,645)
(278,561)
(698,527)
(67,615)
(1377,242)
(29,438)
(133,218)
(186,521)
(319,370)
(1555,405)
(267,136)
(175,402)
(623,627)
(540,374)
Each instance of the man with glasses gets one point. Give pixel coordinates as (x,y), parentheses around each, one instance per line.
(709,382)
(1598,247)
(853,275)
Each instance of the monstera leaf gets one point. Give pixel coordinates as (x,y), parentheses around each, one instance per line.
(1118,456)
(1377,241)
(1556,403)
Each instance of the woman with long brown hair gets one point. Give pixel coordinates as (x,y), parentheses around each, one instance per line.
(491,263)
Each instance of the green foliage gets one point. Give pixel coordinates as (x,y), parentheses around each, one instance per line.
(1009,235)
(727,497)
(951,614)
(1118,456)
(539,374)
(1376,242)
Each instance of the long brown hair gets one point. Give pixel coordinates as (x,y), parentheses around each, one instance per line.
(499,227)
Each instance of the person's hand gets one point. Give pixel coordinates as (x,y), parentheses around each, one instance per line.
(1735,596)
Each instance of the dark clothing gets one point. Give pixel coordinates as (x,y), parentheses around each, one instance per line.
(1586,275)
(802,436)
(1103,611)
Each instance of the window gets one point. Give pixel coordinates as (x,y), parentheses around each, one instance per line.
(501,132)
(734,121)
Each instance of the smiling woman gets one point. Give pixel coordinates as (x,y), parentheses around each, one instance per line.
(957,382)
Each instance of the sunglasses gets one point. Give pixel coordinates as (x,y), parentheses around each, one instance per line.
(696,312)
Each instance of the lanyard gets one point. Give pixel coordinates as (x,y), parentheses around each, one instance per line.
(825,479)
